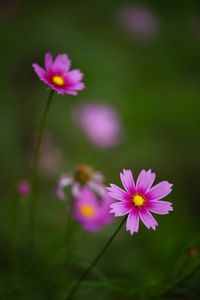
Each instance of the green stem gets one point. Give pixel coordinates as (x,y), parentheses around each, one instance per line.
(15,218)
(93,264)
(35,169)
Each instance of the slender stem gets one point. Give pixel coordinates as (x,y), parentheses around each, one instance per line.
(88,270)
(40,136)
(35,169)
(15,217)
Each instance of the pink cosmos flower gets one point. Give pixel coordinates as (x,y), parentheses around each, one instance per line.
(57,75)
(100,123)
(91,211)
(24,188)
(139,199)
(83,176)
(140,22)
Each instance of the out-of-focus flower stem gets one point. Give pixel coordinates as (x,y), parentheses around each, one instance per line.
(180,282)
(15,217)
(33,203)
(93,264)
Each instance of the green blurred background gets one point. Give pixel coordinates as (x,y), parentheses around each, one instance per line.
(155,88)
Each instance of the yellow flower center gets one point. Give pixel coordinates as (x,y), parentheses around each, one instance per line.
(58,80)
(87,211)
(138,200)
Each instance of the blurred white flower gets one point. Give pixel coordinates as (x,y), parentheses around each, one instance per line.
(83,176)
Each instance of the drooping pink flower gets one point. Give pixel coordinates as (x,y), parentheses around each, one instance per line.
(83,176)
(140,22)
(24,188)
(139,199)
(100,123)
(91,211)
(57,75)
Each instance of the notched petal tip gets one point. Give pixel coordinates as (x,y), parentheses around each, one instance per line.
(132,223)
(62,62)
(126,170)
(117,193)
(131,232)
(114,213)
(145,180)
(128,181)
(159,191)
(41,73)
(147,219)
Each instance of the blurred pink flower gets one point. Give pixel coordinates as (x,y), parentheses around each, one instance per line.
(100,123)
(57,75)
(140,22)
(51,156)
(92,212)
(24,188)
(139,199)
(83,176)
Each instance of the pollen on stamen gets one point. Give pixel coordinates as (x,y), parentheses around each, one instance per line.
(58,80)
(138,200)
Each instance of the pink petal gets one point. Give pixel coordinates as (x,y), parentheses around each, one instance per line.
(97,187)
(115,192)
(98,177)
(147,218)
(75,76)
(59,90)
(159,191)
(160,207)
(64,181)
(128,181)
(40,72)
(62,63)
(132,223)
(145,181)
(121,208)
(62,90)
(70,92)
(79,86)
(91,226)
(85,196)
(48,61)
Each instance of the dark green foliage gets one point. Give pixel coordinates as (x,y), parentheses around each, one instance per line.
(156,89)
